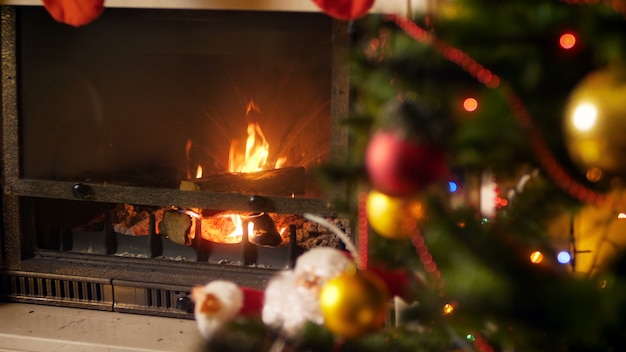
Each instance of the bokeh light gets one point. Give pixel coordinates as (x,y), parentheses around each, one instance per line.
(594,174)
(448,309)
(567,41)
(536,257)
(452,186)
(564,257)
(470,104)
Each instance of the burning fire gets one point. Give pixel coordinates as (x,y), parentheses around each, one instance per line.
(256,154)
(229,227)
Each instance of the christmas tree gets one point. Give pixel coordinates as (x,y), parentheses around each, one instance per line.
(485,172)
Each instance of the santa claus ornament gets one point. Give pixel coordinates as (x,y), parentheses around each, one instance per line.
(220,301)
(345,9)
(292,296)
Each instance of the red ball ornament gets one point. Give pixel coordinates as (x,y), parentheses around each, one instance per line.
(345,9)
(401,167)
(74,12)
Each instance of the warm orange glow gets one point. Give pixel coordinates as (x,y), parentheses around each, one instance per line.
(256,154)
(223,228)
(621,215)
(567,41)
(448,309)
(280,162)
(191,213)
(470,104)
(536,257)
(199,171)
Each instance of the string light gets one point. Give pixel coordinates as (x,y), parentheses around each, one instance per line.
(491,80)
(564,257)
(567,41)
(470,104)
(536,257)
(448,309)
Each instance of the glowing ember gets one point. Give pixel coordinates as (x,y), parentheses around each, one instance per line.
(225,228)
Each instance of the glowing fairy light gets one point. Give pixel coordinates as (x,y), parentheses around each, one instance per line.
(564,257)
(452,186)
(567,41)
(470,104)
(585,116)
(536,257)
(448,309)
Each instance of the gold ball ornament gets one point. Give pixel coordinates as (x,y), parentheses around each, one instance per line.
(393,217)
(354,303)
(595,122)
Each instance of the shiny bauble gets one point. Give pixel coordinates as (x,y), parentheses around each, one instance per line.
(345,9)
(393,217)
(595,122)
(398,166)
(354,303)
(74,13)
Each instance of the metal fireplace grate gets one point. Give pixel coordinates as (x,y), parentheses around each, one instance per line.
(99,294)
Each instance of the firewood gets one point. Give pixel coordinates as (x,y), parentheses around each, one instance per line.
(176,225)
(281,182)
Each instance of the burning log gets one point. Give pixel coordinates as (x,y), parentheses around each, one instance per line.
(283,182)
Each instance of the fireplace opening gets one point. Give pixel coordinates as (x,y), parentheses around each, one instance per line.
(149,98)
(153,150)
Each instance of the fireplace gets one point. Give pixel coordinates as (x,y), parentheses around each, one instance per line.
(131,144)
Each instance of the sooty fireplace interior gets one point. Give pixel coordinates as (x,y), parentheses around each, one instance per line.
(153,150)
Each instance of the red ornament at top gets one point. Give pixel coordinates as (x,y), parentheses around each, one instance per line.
(74,12)
(345,9)
(400,167)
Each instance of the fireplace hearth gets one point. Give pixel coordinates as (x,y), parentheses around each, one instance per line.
(145,111)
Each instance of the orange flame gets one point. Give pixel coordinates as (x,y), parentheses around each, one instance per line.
(225,228)
(257,150)
(256,154)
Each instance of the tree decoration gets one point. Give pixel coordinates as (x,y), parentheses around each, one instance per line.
(481,288)
(401,167)
(291,297)
(345,9)
(394,217)
(595,122)
(216,303)
(74,12)
(354,303)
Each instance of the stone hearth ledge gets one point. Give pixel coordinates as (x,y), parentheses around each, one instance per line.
(35,328)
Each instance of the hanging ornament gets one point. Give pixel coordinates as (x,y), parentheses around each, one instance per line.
(216,304)
(220,301)
(393,217)
(74,12)
(354,303)
(345,9)
(399,167)
(292,296)
(595,122)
